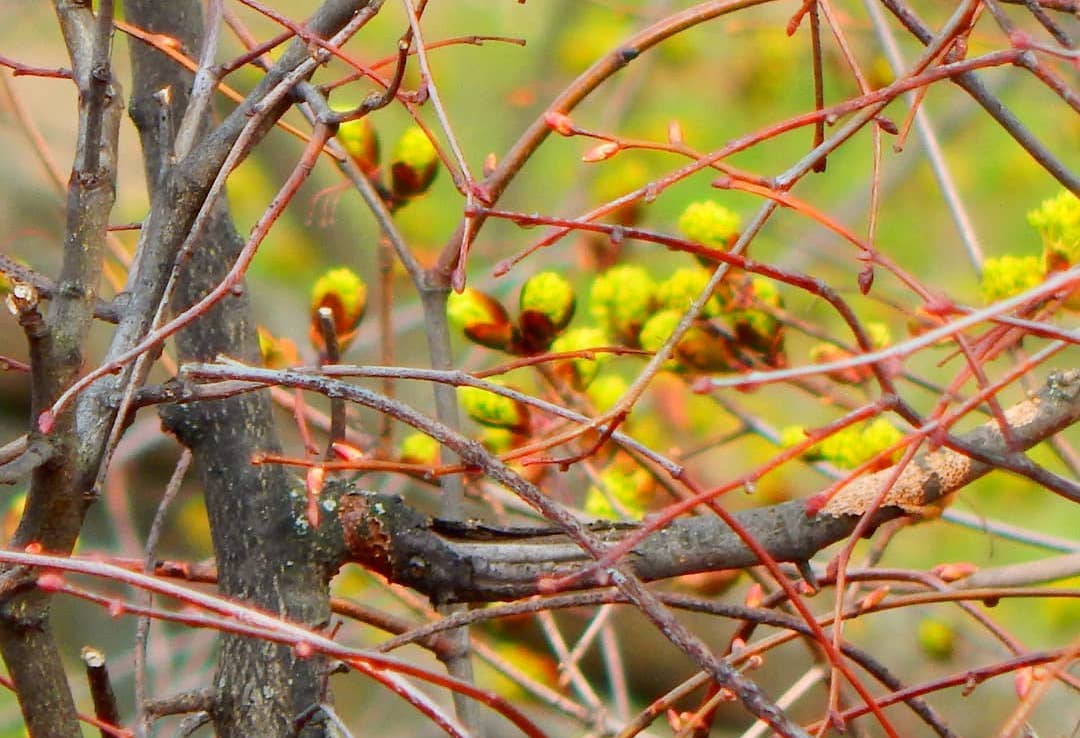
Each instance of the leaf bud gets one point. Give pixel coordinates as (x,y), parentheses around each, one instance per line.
(581,372)
(414,164)
(624,491)
(481,317)
(419,448)
(361,143)
(546,306)
(496,411)
(345,294)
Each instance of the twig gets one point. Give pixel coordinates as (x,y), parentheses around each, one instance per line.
(101,691)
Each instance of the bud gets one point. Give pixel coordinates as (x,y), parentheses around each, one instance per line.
(481,317)
(345,294)
(623,298)
(682,288)
(626,492)
(622,176)
(954,571)
(414,164)
(601,151)
(852,446)
(656,331)
(879,334)
(580,372)
(710,224)
(546,305)
(936,638)
(313,484)
(793,435)
(559,122)
(706,347)
(756,328)
(873,599)
(361,143)
(347,452)
(493,410)
(606,390)
(498,440)
(419,448)
(827,353)
(675,134)
(1022,681)
(277,353)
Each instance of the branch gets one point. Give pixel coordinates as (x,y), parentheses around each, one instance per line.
(475,562)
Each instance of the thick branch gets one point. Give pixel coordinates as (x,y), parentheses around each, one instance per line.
(263,557)
(56,503)
(473,562)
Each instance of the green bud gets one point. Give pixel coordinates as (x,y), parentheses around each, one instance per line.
(628,493)
(658,328)
(606,390)
(419,448)
(622,298)
(879,334)
(547,305)
(704,347)
(481,318)
(345,294)
(621,176)
(709,223)
(493,410)
(497,440)
(414,164)
(878,435)
(936,638)
(792,435)
(581,371)
(682,288)
(361,143)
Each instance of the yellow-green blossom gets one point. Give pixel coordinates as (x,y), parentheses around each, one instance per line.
(622,299)
(1009,275)
(580,339)
(606,390)
(1058,222)
(630,489)
(497,411)
(682,288)
(659,328)
(709,223)
(879,334)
